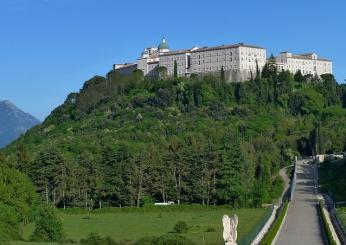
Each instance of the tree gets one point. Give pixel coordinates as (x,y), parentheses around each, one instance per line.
(17,191)
(44,174)
(231,173)
(9,223)
(23,160)
(162,72)
(140,163)
(222,75)
(175,72)
(18,200)
(328,88)
(299,78)
(48,227)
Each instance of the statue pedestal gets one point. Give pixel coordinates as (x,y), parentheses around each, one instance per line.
(230,243)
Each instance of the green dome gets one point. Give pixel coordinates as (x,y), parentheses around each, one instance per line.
(163,44)
(144,53)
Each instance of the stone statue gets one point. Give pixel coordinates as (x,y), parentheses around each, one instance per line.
(230,229)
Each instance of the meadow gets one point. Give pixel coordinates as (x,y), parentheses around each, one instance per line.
(341,213)
(205,226)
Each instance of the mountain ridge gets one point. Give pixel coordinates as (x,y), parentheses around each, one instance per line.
(13,122)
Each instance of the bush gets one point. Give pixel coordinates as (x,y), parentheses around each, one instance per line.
(9,221)
(164,240)
(330,237)
(210,229)
(94,239)
(180,227)
(48,227)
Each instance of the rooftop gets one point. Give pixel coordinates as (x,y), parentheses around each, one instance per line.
(227,46)
(183,51)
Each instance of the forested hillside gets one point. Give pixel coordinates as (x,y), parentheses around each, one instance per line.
(131,141)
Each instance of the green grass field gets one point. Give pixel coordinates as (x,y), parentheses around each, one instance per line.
(135,225)
(333,179)
(341,212)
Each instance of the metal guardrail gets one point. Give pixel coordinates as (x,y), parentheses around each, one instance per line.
(254,232)
(288,196)
(294,180)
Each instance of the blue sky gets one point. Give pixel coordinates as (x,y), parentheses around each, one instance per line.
(48,48)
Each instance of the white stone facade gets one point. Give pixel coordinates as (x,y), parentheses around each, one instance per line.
(240,61)
(182,58)
(306,63)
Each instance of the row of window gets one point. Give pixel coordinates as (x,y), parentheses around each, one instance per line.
(173,58)
(307,62)
(171,72)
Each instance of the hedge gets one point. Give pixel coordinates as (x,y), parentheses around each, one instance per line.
(270,235)
(330,237)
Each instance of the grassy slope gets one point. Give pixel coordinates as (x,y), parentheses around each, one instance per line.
(134,225)
(342,215)
(333,179)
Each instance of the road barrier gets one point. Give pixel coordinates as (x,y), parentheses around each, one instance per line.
(251,236)
(273,234)
(294,179)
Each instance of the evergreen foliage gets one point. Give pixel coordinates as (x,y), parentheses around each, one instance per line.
(17,202)
(167,240)
(48,227)
(132,140)
(180,227)
(175,71)
(94,239)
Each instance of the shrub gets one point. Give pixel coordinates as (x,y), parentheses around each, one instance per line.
(8,223)
(330,237)
(48,227)
(94,239)
(180,227)
(210,229)
(166,240)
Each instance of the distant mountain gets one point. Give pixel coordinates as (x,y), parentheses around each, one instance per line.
(13,122)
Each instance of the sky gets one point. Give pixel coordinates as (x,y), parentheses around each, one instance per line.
(49,48)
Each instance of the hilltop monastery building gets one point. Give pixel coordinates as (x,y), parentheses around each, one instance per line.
(239,61)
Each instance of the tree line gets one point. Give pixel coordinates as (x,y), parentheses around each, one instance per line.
(133,141)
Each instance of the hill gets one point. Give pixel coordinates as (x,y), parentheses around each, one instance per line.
(13,122)
(131,141)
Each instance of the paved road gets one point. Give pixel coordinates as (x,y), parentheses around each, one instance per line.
(302,225)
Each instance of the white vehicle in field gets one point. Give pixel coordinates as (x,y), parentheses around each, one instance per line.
(164,203)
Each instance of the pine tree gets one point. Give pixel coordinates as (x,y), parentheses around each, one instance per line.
(175,69)
(299,78)
(222,75)
(231,173)
(23,161)
(43,172)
